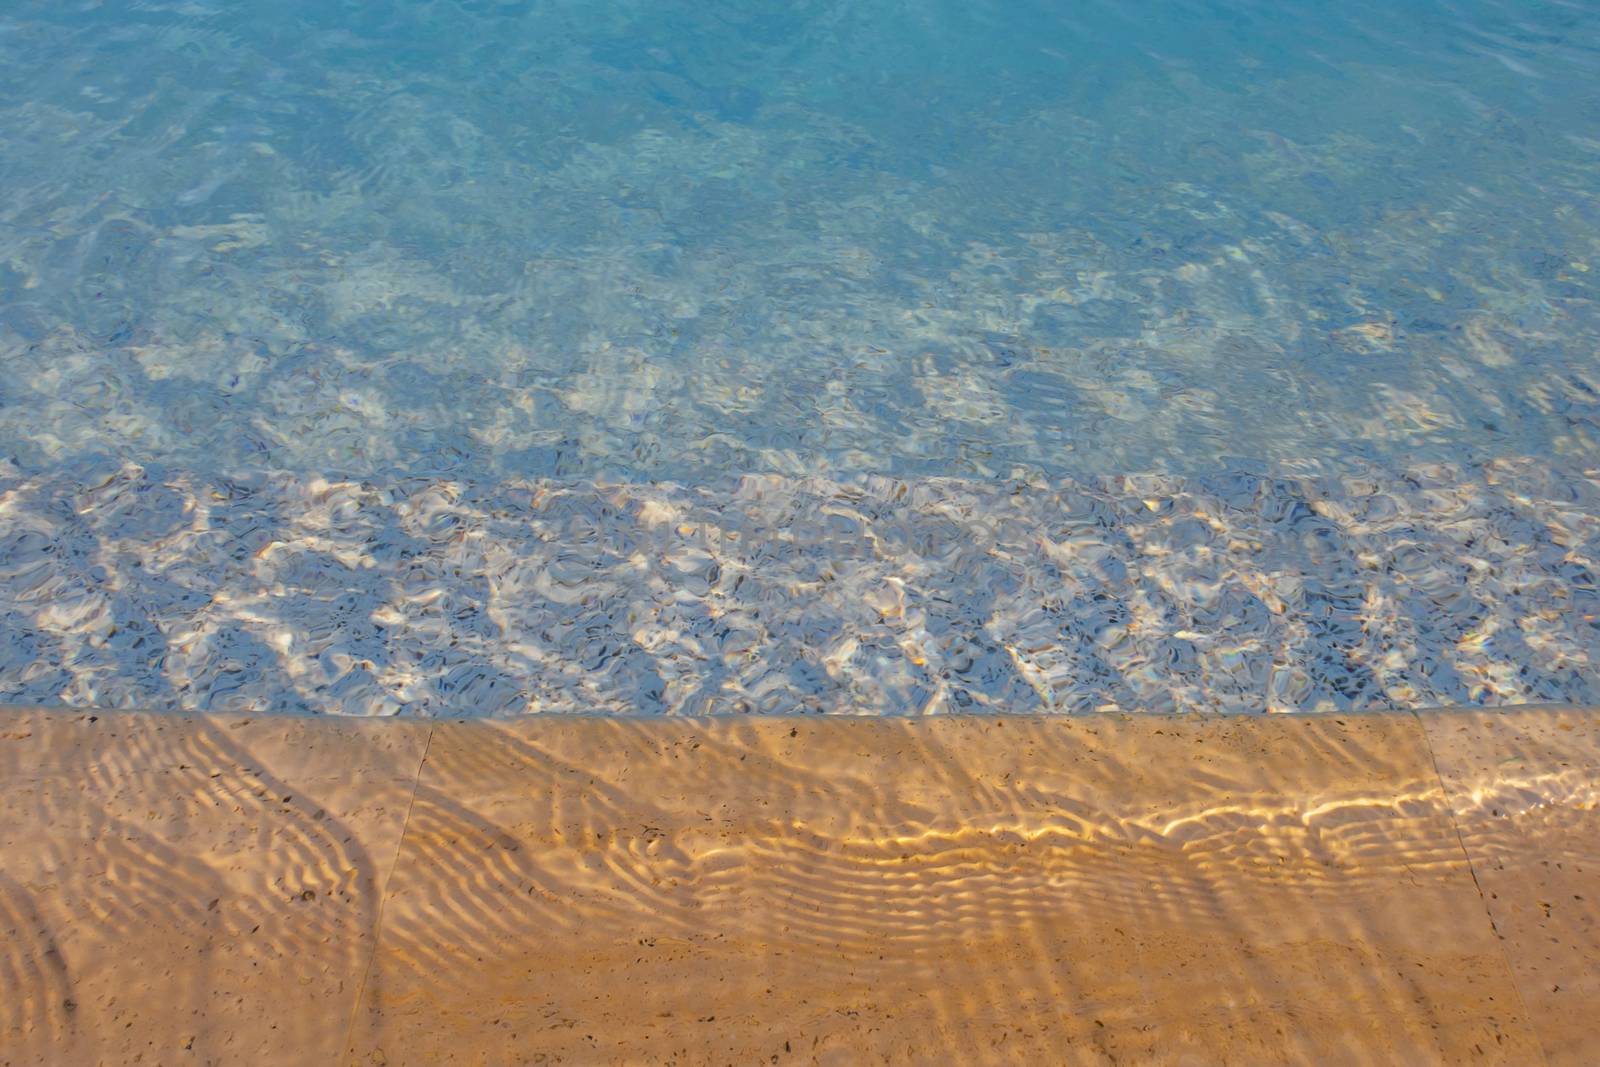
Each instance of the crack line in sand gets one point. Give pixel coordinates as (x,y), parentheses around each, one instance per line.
(1461,842)
(383,896)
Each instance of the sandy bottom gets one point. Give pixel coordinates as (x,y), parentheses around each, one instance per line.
(1391,888)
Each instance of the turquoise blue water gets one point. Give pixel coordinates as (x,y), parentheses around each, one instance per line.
(256,256)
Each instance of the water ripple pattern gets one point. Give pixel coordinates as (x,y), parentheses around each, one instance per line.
(971,889)
(132,588)
(496,356)
(677,239)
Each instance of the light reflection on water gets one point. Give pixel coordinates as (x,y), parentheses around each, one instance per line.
(254,259)
(1440,585)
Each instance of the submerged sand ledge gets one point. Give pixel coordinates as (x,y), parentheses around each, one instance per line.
(1131,889)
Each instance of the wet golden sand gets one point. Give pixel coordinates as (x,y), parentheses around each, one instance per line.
(1394,888)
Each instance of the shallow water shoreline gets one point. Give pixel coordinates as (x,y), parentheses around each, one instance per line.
(434,597)
(1161,889)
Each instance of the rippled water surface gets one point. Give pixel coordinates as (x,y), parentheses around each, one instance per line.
(484,356)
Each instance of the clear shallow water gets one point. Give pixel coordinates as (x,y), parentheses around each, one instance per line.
(251,256)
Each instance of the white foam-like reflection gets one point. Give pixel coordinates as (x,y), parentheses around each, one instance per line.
(1432,586)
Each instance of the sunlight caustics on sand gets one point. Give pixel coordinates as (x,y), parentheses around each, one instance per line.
(1154,889)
